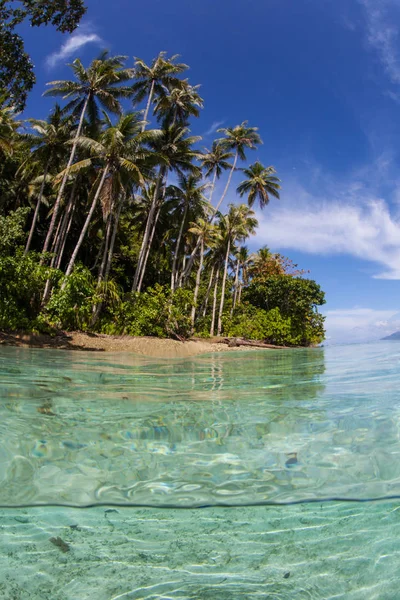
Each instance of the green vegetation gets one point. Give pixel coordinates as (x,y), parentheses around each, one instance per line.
(110,220)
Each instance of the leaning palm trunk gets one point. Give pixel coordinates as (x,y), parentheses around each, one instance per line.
(197,287)
(146,257)
(178,243)
(36,214)
(236,286)
(228,183)
(86,225)
(214,310)
(205,303)
(64,181)
(147,232)
(221,305)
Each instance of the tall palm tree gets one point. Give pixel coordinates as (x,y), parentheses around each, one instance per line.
(207,234)
(189,195)
(243,261)
(48,145)
(173,151)
(214,162)
(116,151)
(238,224)
(261,183)
(237,139)
(180,103)
(99,84)
(153,80)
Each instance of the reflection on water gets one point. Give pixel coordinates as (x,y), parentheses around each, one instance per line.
(227,429)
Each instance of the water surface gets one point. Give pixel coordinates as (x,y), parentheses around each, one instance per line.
(191,467)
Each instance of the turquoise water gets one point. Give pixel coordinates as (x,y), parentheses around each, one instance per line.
(236,475)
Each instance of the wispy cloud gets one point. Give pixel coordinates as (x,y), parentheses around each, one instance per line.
(352,220)
(383,34)
(75,42)
(368,232)
(213,128)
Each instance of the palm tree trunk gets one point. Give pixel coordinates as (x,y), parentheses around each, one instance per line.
(36,214)
(197,287)
(193,254)
(240,294)
(86,224)
(146,112)
(113,237)
(178,243)
(146,257)
(105,249)
(59,240)
(228,183)
(205,303)
(221,305)
(65,236)
(214,310)
(212,186)
(109,259)
(235,294)
(64,181)
(147,232)
(95,310)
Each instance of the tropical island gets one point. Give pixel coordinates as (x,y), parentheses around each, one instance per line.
(114,217)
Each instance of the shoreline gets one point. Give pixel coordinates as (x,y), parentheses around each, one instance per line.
(96,342)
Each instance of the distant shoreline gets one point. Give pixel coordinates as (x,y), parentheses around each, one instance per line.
(147,346)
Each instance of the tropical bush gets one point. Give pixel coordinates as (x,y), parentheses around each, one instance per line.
(22,280)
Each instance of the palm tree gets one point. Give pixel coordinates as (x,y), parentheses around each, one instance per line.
(153,80)
(264,263)
(207,234)
(243,262)
(261,183)
(98,84)
(117,151)
(190,197)
(238,224)
(173,151)
(49,146)
(237,139)
(214,162)
(8,127)
(182,101)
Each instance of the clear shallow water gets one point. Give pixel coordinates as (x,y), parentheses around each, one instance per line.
(231,430)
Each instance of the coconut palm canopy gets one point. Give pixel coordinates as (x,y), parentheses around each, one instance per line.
(122,204)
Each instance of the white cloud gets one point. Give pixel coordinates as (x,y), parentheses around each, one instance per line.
(216,125)
(360,324)
(355,223)
(75,42)
(383,34)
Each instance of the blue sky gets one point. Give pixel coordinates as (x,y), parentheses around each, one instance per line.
(321,80)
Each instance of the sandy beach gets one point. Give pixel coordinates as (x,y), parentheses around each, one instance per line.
(147,346)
